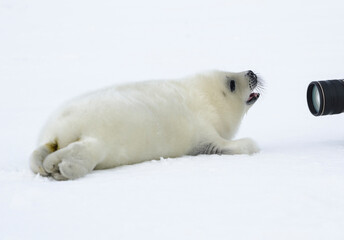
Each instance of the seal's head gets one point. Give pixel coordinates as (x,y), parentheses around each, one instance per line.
(243,86)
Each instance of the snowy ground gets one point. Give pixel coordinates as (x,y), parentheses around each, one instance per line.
(51,51)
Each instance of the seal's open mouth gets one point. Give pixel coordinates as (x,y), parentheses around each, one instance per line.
(253,83)
(252,98)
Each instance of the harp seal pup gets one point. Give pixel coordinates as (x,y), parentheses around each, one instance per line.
(147,120)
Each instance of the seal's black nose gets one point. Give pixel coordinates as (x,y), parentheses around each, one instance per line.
(253,79)
(252,75)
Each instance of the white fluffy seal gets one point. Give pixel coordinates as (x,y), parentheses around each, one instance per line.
(147,120)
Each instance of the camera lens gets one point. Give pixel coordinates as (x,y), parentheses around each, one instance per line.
(326,97)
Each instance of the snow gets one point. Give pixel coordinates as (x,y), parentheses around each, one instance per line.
(51,51)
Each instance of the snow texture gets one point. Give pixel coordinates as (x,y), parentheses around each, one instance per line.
(51,51)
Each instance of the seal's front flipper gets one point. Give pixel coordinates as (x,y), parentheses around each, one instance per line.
(221,146)
(241,146)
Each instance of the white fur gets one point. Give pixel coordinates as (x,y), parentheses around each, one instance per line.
(144,121)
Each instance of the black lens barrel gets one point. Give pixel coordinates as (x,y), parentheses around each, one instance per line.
(331,93)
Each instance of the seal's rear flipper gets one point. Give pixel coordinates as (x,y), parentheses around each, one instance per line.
(75,160)
(38,156)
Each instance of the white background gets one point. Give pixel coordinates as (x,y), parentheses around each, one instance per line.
(51,51)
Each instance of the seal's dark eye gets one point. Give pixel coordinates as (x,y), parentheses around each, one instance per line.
(232,85)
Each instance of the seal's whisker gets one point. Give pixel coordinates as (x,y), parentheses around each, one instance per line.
(260,85)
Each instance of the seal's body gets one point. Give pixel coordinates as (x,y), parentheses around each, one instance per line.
(145,121)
